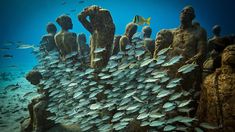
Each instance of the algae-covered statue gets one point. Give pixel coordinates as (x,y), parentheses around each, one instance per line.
(66,41)
(189,41)
(83,48)
(37,121)
(218,94)
(131,29)
(149,44)
(216,34)
(102,28)
(164,39)
(147,31)
(48,41)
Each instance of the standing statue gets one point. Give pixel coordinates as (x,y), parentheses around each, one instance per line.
(217,103)
(216,32)
(216,45)
(102,30)
(65,40)
(125,40)
(83,48)
(147,31)
(189,41)
(37,121)
(48,41)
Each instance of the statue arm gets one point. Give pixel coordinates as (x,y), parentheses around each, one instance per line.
(82,17)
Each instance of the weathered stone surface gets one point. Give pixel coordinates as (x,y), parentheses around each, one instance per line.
(65,40)
(83,47)
(37,121)
(147,31)
(218,94)
(48,41)
(102,30)
(164,39)
(125,40)
(189,41)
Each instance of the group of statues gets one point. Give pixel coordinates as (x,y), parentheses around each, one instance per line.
(213,78)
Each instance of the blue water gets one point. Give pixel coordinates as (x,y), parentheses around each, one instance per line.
(25,20)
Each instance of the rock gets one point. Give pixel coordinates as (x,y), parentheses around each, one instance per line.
(66,41)
(218,94)
(102,30)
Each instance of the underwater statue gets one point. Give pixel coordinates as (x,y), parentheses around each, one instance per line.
(216,45)
(48,42)
(116,47)
(102,28)
(216,34)
(37,121)
(84,49)
(164,39)
(147,31)
(125,40)
(190,42)
(65,40)
(149,45)
(218,94)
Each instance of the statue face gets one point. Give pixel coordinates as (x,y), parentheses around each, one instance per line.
(187,14)
(228,56)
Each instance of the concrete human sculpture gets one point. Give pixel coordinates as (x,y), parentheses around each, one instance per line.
(131,29)
(48,41)
(102,30)
(66,41)
(218,94)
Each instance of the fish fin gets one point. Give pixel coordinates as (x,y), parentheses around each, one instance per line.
(148,21)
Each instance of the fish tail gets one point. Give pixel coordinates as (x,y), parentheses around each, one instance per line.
(148,20)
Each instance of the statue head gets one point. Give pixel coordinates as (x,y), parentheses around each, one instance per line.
(65,22)
(147,31)
(228,56)
(164,37)
(187,14)
(216,30)
(34,77)
(51,28)
(131,29)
